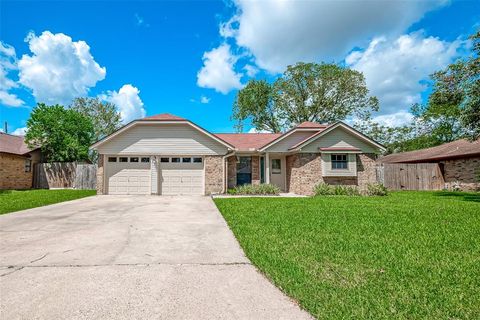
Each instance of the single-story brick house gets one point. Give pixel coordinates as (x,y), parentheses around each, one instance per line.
(168,155)
(459,162)
(16,162)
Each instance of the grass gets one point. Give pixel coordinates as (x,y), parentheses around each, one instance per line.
(410,255)
(13,200)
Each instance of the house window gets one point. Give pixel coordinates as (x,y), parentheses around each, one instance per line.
(276,166)
(123,159)
(164,160)
(339,161)
(112,159)
(134,159)
(28,165)
(186,160)
(145,159)
(197,160)
(176,160)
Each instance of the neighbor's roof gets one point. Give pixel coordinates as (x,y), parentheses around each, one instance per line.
(248,141)
(164,117)
(456,149)
(13,144)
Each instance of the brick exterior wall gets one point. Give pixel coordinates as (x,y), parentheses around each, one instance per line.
(12,172)
(213,174)
(100,173)
(304,171)
(255,170)
(232,172)
(462,173)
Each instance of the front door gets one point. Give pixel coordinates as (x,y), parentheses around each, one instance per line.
(277,171)
(244,170)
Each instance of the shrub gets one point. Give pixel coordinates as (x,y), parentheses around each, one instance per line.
(323,189)
(346,191)
(255,189)
(376,189)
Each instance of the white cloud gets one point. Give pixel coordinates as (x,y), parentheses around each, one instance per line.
(218,70)
(250,70)
(20,131)
(8,64)
(394,119)
(396,71)
(279,32)
(59,69)
(204,100)
(253,130)
(141,21)
(128,102)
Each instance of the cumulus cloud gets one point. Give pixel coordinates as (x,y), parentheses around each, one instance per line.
(20,131)
(394,119)
(218,70)
(396,71)
(279,32)
(58,69)
(128,102)
(8,64)
(204,100)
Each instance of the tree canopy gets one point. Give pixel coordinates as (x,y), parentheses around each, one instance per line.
(63,135)
(104,115)
(323,93)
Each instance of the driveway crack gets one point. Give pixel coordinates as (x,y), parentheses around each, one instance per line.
(39,258)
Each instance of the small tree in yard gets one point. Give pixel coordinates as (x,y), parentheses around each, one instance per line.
(64,135)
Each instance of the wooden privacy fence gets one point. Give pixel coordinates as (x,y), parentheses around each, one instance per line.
(64,175)
(411,176)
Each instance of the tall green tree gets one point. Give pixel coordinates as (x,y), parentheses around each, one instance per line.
(104,115)
(322,93)
(64,135)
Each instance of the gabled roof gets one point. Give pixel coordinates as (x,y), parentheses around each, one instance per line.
(13,144)
(248,141)
(456,149)
(164,117)
(308,124)
(320,133)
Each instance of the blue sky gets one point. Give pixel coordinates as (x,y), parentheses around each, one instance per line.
(190,57)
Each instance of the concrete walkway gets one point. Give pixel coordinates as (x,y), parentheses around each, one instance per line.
(130,257)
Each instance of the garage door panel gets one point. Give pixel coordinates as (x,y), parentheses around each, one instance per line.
(183,179)
(128,178)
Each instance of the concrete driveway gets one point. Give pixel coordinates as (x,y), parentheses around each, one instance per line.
(130,257)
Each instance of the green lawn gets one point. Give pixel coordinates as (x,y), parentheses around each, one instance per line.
(410,255)
(13,200)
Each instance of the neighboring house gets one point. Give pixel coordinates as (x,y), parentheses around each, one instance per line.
(459,162)
(168,155)
(16,162)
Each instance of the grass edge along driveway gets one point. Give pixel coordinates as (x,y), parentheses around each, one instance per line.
(15,200)
(409,255)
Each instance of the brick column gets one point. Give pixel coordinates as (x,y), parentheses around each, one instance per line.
(255,170)
(100,174)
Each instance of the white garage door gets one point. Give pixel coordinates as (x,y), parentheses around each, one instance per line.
(128,175)
(181,175)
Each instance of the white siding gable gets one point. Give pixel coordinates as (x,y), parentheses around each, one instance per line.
(339,138)
(294,138)
(162,139)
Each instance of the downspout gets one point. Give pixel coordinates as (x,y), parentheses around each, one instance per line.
(225,170)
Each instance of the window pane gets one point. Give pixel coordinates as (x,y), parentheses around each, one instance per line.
(276,166)
(134,159)
(187,160)
(112,159)
(28,165)
(339,161)
(164,159)
(123,159)
(145,159)
(197,160)
(176,160)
